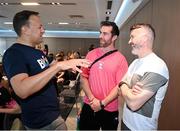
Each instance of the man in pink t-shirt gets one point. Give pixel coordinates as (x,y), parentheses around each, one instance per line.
(100,109)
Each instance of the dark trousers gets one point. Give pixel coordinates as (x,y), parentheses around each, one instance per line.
(1,120)
(104,120)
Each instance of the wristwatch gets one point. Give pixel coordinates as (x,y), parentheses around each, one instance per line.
(102,105)
(121,83)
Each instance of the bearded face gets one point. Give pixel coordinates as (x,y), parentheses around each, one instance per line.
(105,36)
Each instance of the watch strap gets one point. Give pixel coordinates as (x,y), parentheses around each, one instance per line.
(101,104)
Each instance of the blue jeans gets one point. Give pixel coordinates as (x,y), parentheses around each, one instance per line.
(58,124)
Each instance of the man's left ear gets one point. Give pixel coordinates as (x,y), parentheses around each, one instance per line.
(114,37)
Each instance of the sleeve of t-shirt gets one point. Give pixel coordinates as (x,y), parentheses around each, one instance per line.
(14,63)
(85,71)
(122,69)
(153,81)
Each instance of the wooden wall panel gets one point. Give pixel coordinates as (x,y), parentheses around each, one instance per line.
(123,45)
(165,17)
(145,14)
(70,44)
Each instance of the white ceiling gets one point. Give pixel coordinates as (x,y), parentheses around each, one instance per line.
(92,12)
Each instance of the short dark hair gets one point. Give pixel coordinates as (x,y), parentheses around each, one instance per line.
(139,25)
(115,29)
(21,18)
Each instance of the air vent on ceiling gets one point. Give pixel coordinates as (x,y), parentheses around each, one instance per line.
(109,5)
(1,16)
(107,18)
(76,16)
(68,3)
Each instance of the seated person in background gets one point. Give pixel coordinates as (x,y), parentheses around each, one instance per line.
(59,76)
(4,95)
(50,57)
(12,107)
(45,49)
(77,55)
(68,74)
(7,103)
(59,57)
(67,56)
(91,47)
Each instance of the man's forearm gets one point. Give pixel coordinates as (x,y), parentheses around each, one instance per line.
(133,101)
(86,88)
(112,95)
(27,86)
(35,83)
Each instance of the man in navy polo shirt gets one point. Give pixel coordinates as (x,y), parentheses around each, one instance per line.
(30,74)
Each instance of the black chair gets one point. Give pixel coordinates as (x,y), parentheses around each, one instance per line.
(70,94)
(12,122)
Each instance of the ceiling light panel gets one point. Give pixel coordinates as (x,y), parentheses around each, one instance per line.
(8,23)
(35,3)
(29,3)
(63,23)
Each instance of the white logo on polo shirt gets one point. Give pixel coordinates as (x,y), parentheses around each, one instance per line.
(43,62)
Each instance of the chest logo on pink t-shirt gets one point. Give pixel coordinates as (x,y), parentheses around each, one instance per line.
(100,65)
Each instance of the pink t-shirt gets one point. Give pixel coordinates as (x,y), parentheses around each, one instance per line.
(104,75)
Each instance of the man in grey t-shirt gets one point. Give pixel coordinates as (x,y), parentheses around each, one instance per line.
(145,83)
